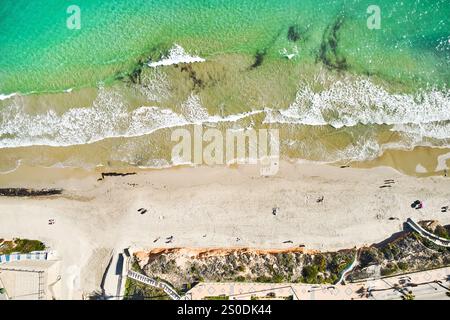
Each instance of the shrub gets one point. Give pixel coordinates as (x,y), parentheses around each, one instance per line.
(263,279)
(23,246)
(321,262)
(403,265)
(390,269)
(440,231)
(310,273)
(222,297)
(278,278)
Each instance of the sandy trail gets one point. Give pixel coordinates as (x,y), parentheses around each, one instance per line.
(214,207)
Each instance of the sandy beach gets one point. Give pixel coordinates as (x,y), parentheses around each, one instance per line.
(211,207)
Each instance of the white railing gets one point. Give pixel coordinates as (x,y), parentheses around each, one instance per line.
(428,235)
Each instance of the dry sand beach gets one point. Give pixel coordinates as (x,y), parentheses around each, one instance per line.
(211,207)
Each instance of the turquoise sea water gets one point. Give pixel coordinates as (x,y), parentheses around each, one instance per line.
(39,53)
(337,90)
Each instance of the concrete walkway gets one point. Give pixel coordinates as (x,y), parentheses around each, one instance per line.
(349,269)
(114,284)
(428,235)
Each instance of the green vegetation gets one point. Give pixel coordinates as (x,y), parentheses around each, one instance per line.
(403,265)
(320,262)
(21,246)
(408,252)
(264,279)
(390,251)
(134,290)
(136,267)
(240,279)
(278,278)
(442,232)
(196,272)
(389,269)
(286,261)
(370,256)
(222,297)
(271,295)
(310,273)
(241,268)
(322,268)
(408,296)
(431,245)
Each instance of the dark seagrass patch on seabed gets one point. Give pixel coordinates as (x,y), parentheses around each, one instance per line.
(329,54)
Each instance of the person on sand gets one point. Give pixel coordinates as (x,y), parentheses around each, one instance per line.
(415,204)
(420,205)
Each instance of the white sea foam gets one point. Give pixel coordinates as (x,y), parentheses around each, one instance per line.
(7,96)
(442,162)
(289,54)
(155,86)
(435,130)
(176,55)
(343,103)
(109,117)
(193,110)
(362,150)
(348,103)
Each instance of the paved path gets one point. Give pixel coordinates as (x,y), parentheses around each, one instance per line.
(349,269)
(428,235)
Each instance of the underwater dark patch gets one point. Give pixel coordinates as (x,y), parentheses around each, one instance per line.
(329,54)
(198,83)
(293,33)
(259,58)
(135,75)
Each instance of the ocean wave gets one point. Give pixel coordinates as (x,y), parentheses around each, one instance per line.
(425,115)
(176,55)
(348,103)
(155,86)
(21,94)
(109,117)
(7,96)
(17,166)
(435,130)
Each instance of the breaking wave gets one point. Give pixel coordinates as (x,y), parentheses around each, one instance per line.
(344,103)
(7,96)
(176,55)
(109,117)
(349,103)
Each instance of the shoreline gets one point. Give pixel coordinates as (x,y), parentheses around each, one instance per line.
(428,158)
